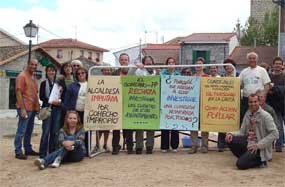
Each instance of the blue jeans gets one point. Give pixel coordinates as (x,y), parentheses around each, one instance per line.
(24,131)
(280,140)
(45,137)
(54,128)
(75,155)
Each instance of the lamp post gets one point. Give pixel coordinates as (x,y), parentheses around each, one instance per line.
(31,31)
(281,33)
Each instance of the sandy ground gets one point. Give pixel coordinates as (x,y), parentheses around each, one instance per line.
(158,169)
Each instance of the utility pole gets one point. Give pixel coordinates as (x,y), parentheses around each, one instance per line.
(281,33)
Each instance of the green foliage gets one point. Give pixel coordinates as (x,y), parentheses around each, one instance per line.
(264,34)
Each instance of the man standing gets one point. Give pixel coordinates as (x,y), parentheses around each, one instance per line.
(252,144)
(276,98)
(124,60)
(252,78)
(27,106)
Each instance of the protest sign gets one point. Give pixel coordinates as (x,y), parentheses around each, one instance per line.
(103,106)
(179,102)
(220,103)
(141,102)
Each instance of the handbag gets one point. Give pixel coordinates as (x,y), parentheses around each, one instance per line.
(44,113)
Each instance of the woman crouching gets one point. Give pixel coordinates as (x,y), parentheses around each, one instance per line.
(71,141)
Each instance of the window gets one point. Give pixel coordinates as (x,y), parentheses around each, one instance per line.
(59,53)
(97,56)
(81,53)
(199,53)
(90,55)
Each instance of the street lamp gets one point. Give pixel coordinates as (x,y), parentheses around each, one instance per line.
(31,31)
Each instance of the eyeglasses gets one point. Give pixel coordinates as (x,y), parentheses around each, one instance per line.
(81,73)
(75,65)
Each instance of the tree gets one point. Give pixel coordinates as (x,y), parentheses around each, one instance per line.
(262,34)
(270,28)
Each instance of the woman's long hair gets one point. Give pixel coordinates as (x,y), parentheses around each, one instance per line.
(79,125)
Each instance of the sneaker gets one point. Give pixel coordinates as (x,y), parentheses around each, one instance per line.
(107,150)
(174,150)
(149,150)
(21,156)
(204,149)
(40,163)
(139,151)
(263,165)
(32,153)
(56,162)
(192,150)
(95,150)
(164,150)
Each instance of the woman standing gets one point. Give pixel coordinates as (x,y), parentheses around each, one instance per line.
(173,135)
(76,94)
(71,138)
(45,90)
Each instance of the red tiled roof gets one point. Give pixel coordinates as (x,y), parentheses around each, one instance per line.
(265,54)
(69,42)
(161,47)
(25,52)
(208,37)
(160,52)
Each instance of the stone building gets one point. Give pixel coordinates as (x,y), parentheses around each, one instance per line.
(12,64)
(211,46)
(7,39)
(258,8)
(68,49)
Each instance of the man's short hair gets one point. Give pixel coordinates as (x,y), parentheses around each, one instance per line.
(122,54)
(252,53)
(277,59)
(201,59)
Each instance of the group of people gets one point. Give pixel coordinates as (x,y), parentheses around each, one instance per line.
(64,139)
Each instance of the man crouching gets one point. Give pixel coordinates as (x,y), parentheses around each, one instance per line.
(252,144)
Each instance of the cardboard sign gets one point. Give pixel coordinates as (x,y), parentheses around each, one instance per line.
(141,102)
(180,102)
(103,107)
(220,104)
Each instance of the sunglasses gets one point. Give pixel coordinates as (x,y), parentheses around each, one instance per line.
(75,65)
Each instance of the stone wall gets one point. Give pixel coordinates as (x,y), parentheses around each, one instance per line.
(218,52)
(258,8)
(17,65)
(4,92)
(7,41)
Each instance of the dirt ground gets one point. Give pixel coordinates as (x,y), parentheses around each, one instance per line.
(158,169)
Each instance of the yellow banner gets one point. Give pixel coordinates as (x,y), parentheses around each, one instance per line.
(220,104)
(103,105)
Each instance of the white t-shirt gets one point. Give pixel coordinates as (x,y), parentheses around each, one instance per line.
(80,103)
(253,79)
(144,72)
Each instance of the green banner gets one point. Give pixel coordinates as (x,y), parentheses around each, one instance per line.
(141,102)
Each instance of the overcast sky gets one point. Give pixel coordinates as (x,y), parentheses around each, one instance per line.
(117,24)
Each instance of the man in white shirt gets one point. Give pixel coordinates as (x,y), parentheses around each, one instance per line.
(252,78)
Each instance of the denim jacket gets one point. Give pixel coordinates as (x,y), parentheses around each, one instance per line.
(71,96)
(79,137)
